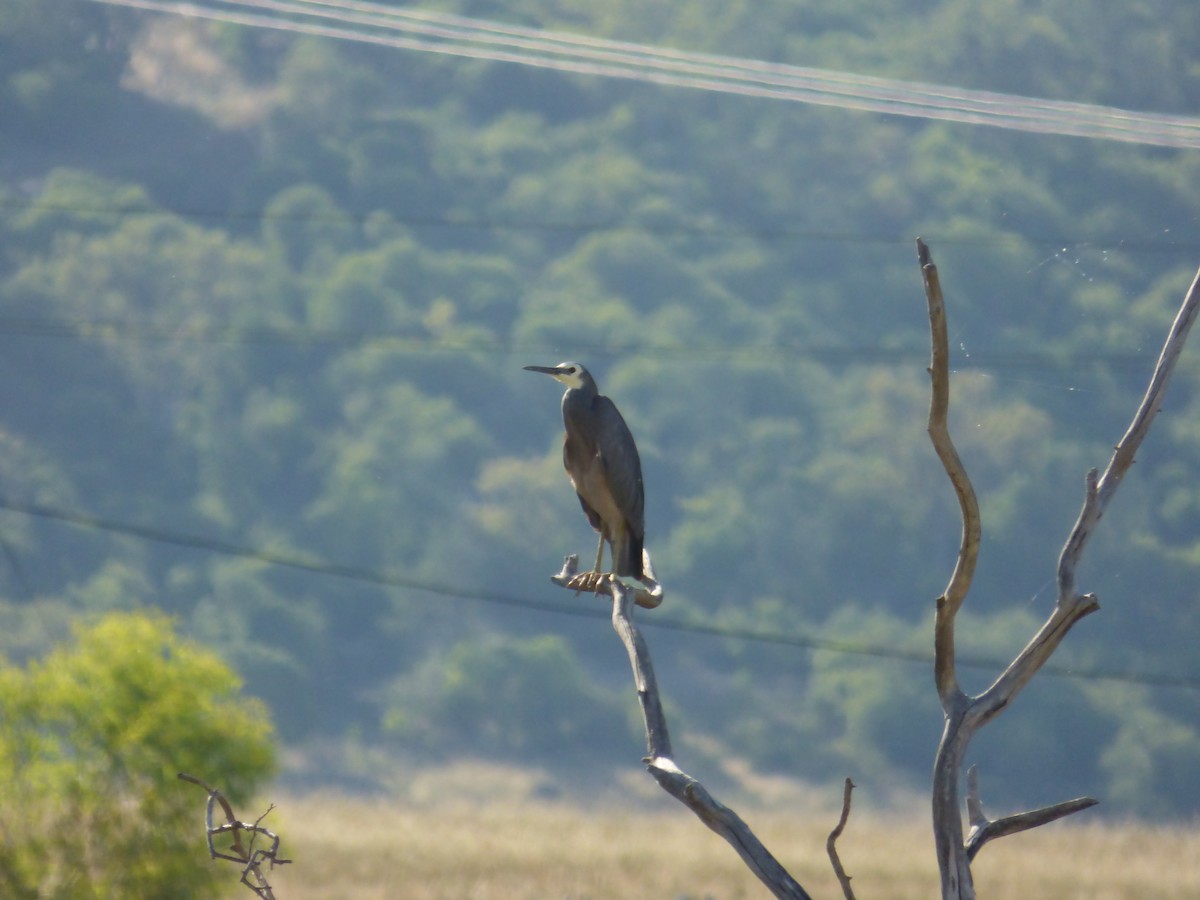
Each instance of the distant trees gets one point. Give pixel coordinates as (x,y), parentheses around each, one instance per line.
(301,332)
(507,698)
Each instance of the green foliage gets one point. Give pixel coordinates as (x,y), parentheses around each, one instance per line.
(302,333)
(94,734)
(527,699)
(1150,756)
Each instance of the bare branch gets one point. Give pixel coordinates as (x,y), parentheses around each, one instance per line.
(939,433)
(1100,491)
(831,843)
(1031,659)
(251,858)
(956,735)
(720,818)
(964,715)
(658,739)
(984,829)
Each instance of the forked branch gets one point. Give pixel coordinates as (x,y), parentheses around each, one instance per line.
(1099,491)
(245,853)
(984,829)
(964,715)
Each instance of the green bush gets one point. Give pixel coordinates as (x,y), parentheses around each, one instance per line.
(93,736)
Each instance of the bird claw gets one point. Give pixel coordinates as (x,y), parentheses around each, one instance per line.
(649,596)
(591,582)
(571,578)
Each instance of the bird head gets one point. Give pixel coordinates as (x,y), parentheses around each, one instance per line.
(572,374)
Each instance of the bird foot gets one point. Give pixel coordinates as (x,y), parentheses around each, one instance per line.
(591,582)
(649,596)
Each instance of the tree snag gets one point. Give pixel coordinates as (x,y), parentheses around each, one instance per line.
(250,857)
(659,759)
(964,715)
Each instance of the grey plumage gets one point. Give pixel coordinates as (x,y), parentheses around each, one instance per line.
(602,462)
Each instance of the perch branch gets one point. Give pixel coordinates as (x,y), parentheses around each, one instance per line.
(984,829)
(718,817)
(658,738)
(831,843)
(650,598)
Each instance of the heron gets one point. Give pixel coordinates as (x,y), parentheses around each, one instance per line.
(602,462)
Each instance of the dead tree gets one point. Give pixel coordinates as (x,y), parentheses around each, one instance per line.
(965,714)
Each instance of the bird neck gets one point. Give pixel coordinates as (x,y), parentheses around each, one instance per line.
(579,398)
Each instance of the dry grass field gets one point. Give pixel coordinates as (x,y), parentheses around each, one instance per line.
(461,848)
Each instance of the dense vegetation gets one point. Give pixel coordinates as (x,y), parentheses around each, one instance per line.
(267,297)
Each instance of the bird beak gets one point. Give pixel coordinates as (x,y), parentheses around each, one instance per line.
(547,370)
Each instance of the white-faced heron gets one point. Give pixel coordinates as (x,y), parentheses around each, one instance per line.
(602,462)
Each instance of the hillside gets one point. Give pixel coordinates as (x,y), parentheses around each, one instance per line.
(265,297)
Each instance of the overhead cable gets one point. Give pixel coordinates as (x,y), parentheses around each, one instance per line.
(443,33)
(392,580)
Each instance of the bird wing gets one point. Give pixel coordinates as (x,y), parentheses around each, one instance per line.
(622,465)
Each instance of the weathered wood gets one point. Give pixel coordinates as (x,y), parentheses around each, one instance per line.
(247,855)
(939,434)
(984,829)
(831,843)
(658,738)
(963,714)
(1100,491)
(659,758)
(947,825)
(683,787)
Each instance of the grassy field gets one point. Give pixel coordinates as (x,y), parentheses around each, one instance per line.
(458,849)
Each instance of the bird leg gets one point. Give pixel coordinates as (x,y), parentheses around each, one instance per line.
(590,581)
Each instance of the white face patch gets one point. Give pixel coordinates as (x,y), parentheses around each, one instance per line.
(572,377)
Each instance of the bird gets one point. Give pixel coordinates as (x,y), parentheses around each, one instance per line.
(602,462)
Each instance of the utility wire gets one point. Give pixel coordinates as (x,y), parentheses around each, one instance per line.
(831,355)
(563,226)
(392,580)
(442,33)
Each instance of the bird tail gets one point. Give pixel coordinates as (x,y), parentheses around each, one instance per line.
(627,556)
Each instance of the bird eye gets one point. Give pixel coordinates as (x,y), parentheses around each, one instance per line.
(571,371)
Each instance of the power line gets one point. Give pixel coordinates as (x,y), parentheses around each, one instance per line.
(460,36)
(829,354)
(565,226)
(391,580)
(283,560)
